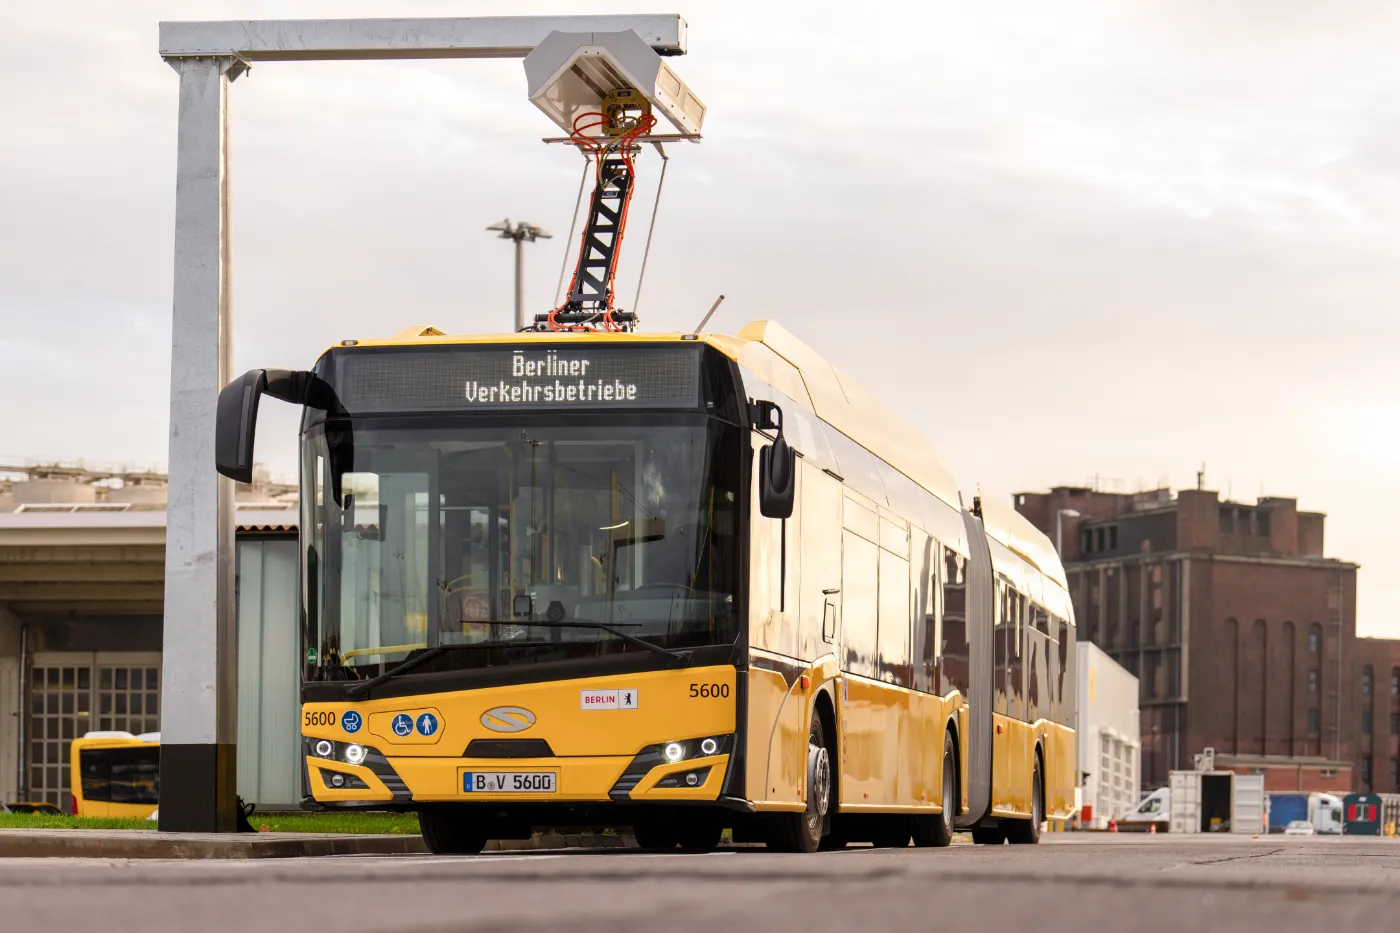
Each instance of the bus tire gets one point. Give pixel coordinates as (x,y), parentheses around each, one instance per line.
(700,835)
(1027,832)
(834,839)
(892,832)
(936,831)
(802,832)
(656,835)
(446,832)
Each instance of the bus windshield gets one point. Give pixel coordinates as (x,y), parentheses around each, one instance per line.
(426,532)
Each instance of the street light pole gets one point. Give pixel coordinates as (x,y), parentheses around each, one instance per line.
(521,233)
(1059,529)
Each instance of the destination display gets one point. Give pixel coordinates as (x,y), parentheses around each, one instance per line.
(541,376)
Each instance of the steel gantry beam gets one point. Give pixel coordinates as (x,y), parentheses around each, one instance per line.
(303,40)
(199,701)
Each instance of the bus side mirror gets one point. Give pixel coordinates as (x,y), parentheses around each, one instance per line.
(236,423)
(777,468)
(777,464)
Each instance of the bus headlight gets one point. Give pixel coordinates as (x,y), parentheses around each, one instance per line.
(354,754)
(324,748)
(707,747)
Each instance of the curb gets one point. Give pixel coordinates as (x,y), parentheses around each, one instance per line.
(147,844)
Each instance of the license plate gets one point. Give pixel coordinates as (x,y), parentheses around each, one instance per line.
(509,782)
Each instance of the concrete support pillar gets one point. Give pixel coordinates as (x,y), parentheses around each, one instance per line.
(199,698)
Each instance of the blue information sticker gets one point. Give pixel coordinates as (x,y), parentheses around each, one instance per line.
(351,722)
(402,725)
(427,724)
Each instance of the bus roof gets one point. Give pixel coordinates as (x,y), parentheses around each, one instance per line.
(791,366)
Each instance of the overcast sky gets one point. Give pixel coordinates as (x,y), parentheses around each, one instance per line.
(1092,238)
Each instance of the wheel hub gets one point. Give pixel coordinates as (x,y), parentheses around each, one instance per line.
(819,779)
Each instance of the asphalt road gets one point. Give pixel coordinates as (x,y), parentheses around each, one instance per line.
(1069,882)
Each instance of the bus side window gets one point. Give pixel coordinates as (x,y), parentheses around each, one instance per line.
(925,615)
(954,654)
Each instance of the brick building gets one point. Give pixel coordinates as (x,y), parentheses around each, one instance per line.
(1377,693)
(1242,634)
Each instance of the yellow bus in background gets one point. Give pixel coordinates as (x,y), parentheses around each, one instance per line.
(116,774)
(683,583)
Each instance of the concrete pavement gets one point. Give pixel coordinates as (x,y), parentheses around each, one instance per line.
(1070,882)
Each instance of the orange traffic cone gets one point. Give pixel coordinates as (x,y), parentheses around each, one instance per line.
(1151,827)
(1112,825)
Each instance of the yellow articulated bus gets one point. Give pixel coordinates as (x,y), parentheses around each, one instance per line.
(679,583)
(115,774)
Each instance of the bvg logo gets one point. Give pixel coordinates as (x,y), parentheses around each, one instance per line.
(507,719)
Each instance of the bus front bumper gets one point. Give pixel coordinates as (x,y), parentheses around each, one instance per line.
(403,781)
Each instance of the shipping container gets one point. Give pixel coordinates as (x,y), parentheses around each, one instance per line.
(1217,802)
(1285,808)
(1362,813)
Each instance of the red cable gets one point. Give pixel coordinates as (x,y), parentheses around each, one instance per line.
(598,149)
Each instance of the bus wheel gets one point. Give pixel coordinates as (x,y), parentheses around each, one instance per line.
(835,837)
(656,834)
(450,833)
(1027,832)
(937,830)
(802,832)
(700,835)
(892,832)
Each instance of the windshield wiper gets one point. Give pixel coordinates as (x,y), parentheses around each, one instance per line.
(625,636)
(360,689)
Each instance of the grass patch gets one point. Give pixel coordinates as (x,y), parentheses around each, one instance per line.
(351,823)
(49,821)
(347,823)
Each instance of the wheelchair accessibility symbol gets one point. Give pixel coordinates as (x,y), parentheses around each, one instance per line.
(402,725)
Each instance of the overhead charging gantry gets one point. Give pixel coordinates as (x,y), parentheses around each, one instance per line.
(585,60)
(605,90)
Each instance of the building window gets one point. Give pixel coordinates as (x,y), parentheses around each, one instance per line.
(1112,537)
(1086,540)
(1395,723)
(1366,722)
(1315,639)
(1312,682)
(1314,720)
(1395,681)
(1328,773)
(1243,522)
(1227,521)
(1098,539)
(1395,774)
(1261,524)
(1366,771)
(1367,675)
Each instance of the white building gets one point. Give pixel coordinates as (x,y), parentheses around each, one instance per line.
(1110,744)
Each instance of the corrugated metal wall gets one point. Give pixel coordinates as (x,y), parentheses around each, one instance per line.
(268,658)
